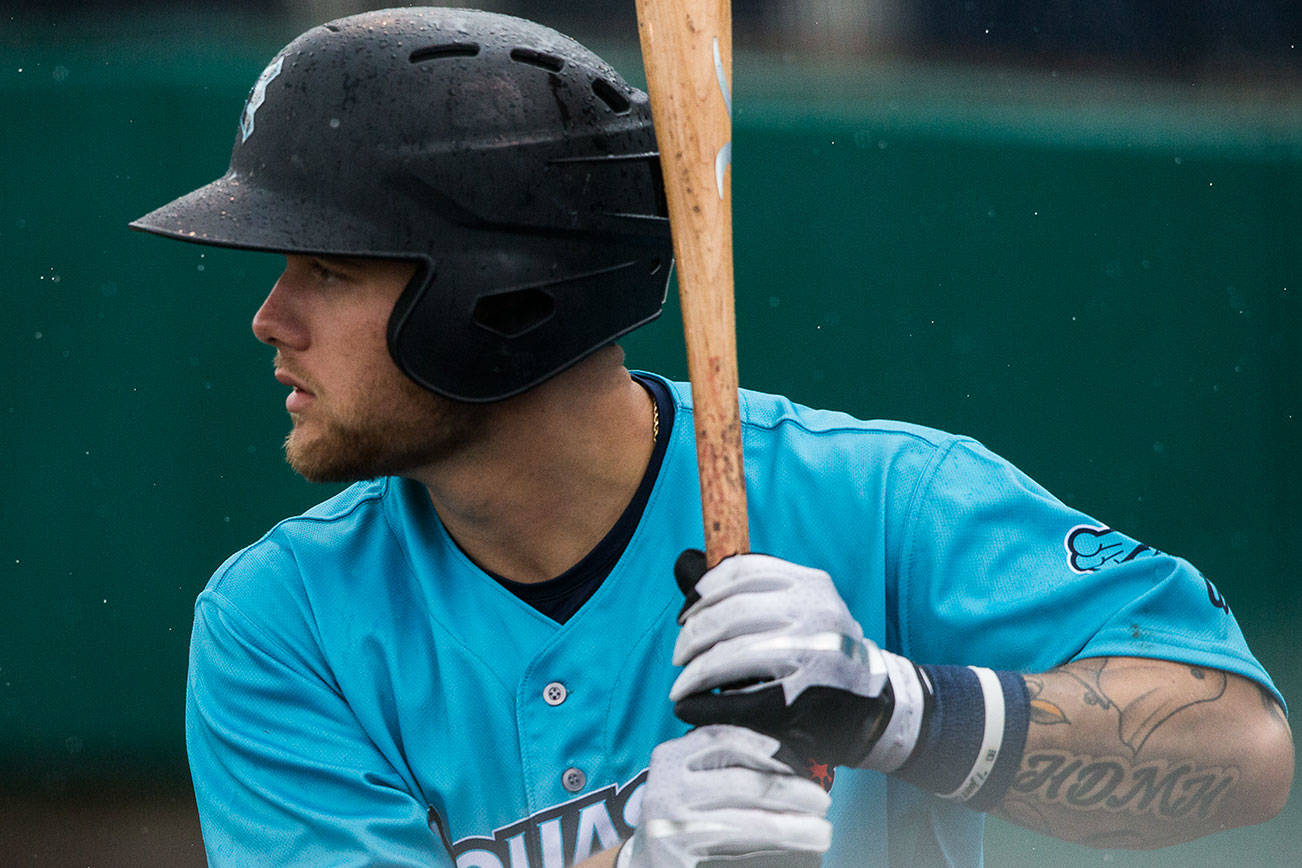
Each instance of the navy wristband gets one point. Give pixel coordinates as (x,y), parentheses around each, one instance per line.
(955,756)
(1017,719)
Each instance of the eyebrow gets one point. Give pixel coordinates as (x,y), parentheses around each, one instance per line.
(345,261)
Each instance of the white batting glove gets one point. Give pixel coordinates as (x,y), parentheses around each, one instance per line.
(726,794)
(770,645)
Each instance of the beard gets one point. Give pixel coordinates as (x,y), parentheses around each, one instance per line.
(403,427)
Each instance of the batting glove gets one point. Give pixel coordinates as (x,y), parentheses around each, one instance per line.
(770,645)
(725,794)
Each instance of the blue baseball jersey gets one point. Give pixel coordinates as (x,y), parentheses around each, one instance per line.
(360,692)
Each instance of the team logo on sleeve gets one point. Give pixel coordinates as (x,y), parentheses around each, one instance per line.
(557,836)
(1091,548)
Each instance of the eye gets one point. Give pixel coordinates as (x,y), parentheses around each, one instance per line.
(324,273)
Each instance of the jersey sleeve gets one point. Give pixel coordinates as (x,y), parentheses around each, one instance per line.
(995,571)
(283,773)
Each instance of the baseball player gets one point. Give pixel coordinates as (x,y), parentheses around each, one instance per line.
(477,655)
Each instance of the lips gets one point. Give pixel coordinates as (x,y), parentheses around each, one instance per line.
(301,397)
(288,379)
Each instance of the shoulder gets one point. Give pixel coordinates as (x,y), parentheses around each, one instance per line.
(275,569)
(766,412)
(775,422)
(795,452)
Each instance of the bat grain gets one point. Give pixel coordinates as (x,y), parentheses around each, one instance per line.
(687,51)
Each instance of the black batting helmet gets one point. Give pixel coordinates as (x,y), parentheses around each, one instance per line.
(515,165)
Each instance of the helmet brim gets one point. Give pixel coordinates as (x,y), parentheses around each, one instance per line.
(232,212)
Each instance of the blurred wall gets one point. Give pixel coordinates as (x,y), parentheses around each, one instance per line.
(1097,275)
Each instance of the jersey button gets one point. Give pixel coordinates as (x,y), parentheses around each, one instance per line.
(573,779)
(555,693)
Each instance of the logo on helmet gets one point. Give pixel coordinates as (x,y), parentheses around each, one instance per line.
(257,97)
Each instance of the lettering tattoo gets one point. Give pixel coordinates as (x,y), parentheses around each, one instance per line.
(1161,788)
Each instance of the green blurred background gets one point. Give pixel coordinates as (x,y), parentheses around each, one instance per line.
(1086,260)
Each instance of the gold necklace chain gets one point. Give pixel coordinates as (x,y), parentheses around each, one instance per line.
(655,417)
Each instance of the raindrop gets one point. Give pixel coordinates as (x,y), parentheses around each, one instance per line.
(1237,302)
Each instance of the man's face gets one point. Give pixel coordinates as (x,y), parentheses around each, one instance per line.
(355,415)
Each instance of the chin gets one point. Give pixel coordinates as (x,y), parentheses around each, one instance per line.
(342,455)
(323,459)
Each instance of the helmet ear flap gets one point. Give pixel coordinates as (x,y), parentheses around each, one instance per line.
(402,308)
(478,333)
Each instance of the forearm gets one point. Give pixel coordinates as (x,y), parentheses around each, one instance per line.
(1132,752)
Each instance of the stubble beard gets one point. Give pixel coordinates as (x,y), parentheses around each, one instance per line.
(413,429)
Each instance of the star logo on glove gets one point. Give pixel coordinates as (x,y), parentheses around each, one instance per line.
(821,774)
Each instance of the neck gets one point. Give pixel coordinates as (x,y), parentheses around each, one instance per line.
(555,471)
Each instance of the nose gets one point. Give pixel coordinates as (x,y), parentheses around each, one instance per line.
(277,321)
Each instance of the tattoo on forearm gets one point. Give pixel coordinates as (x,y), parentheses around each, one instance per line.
(1144,704)
(1043,711)
(1117,785)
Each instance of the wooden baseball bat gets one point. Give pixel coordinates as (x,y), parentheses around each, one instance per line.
(687,52)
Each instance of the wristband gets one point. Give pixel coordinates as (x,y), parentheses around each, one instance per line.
(973,734)
(992,737)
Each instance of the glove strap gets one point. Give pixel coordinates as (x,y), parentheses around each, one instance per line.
(624,858)
(973,732)
(901,734)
